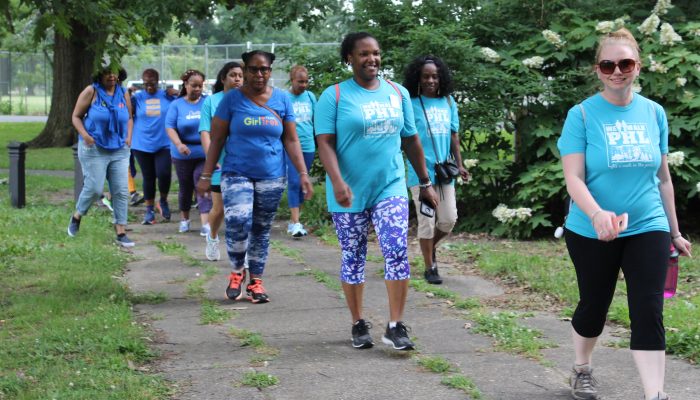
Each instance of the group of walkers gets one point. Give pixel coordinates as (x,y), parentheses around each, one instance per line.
(241,147)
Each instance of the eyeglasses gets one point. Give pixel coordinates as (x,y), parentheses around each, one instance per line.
(608,67)
(256,70)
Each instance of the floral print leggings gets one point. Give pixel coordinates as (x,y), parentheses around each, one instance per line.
(249,208)
(390,220)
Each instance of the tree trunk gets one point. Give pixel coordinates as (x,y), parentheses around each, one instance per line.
(72,71)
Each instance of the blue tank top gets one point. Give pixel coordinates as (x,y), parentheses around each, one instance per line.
(107,118)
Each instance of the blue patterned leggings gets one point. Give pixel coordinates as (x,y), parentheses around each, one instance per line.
(390,220)
(249,208)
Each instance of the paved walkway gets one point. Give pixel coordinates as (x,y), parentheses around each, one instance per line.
(306,330)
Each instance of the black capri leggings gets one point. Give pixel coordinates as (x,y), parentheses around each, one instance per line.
(155,165)
(643,259)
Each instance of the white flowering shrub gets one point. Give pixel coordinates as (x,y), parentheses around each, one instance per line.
(490,55)
(668,35)
(534,62)
(676,158)
(470,163)
(553,38)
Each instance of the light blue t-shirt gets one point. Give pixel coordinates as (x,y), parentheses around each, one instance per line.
(623,146)
(254,146)
(304,113)
(443,118)
(149,121)
(183,116)
(207,113)
(368,125)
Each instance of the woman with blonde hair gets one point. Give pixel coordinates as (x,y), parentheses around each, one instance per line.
(623,213)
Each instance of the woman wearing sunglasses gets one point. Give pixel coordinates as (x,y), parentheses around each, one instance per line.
(614,146)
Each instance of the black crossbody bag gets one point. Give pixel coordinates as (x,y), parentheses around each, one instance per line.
(444,171)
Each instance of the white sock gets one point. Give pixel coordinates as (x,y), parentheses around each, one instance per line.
(392,324)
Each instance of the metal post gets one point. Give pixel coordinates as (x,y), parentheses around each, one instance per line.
(18,186)
(206,59)
(77,174)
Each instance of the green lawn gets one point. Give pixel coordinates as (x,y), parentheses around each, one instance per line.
(67,329)
(58,158)
(25,105)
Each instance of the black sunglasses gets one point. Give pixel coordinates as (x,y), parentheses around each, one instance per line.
(255,70)
(608,67)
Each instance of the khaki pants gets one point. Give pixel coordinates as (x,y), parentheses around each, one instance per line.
(445,214)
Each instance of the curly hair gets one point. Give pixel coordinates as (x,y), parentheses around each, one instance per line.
(247,56)
(348,44)
(186,77)
(121,74)
(221,76)
(415,68)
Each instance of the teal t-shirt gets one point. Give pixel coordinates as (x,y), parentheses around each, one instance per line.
(207,113)
(623,146)
(368,125)
(304,112)
(443,119)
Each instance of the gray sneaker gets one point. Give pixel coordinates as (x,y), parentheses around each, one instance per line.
(124,241)
(73,226)
(397,337)
(360,335)
(583,384)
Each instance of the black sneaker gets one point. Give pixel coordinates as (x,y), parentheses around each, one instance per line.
(432,275)
(235,281)
(135,199)
(360,335)
(73,226)
(397,337)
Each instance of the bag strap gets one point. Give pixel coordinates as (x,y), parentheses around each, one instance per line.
(265,107)
(427,123)
(337,91)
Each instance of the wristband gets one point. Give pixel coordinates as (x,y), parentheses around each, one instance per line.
(205,178)
(425,185)
(303,173)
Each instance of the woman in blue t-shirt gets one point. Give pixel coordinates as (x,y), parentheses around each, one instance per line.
(429,82)
(361,126)
(102,117)
(150,144)
(613,147)
(303,102)
(256,125)
(229,77)
(182,126)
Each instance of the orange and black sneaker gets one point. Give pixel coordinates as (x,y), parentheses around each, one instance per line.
(256,291)
(235,280)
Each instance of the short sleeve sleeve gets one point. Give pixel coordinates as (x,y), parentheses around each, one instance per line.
(325,112)
(663,128)
(573,135)
(409,122)
(171,117)
(223,111)
(205,119)
(288,108)
(454,116)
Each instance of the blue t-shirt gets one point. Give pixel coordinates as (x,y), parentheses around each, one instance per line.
(183,116)
(208,110)
(149,121)
(107,118)
(254,145)
(304,114)
(622,146)
(368,125)
(443,118)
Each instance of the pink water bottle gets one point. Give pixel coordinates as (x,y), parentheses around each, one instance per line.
(671,274)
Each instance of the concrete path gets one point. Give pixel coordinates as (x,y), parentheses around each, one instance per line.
(306,332)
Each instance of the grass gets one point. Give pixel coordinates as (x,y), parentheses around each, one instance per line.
(56,158)
(294,254)
(67,330)
(178,249)
(248,338)
(259,380)
(463,383)
(508,335)
(148,298)
(421,285)
(323,277)
(213,314)
(26,105)
(435,364)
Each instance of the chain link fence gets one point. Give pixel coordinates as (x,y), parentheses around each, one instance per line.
(26,78)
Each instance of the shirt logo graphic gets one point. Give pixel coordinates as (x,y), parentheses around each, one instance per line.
(192,115)
(628,145)
(439,120)
(153,107)
(302,111)
(380,118)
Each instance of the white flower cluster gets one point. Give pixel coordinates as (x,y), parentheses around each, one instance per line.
(649,26)
(669,36)
(676,158)
(533,62)
(490,55)
(605,26)
(636,87)
(680,81)
(506,215)
(695,32)
(688,95)
(470,162)
(553,38)
(698,187)
(662,7)
(655,66)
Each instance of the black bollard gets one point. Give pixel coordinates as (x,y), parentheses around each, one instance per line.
(18,185)
(77,174)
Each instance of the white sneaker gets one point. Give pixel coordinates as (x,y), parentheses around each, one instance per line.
(184,226)
(205,230)
(290,228)
(212,251)
(298,230)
